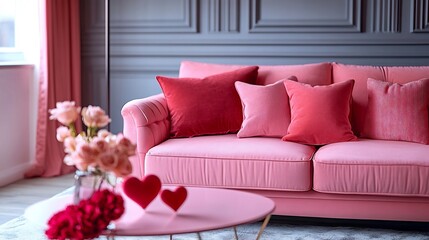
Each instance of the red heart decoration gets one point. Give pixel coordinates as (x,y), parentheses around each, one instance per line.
(142,192)
(174,199)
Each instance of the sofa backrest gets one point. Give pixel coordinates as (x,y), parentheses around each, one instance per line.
(314,74)
(343,72)
(320,74)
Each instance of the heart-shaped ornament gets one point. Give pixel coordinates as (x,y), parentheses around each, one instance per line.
(144,191)
(174,199)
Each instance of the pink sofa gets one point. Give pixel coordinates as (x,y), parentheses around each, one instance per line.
(363,179)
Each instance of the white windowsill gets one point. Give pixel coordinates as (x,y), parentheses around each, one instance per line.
(15,64)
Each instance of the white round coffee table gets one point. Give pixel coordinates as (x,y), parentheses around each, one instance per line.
(204,209)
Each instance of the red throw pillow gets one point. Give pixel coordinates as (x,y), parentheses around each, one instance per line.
(205,106)
(398,112)
(320,114)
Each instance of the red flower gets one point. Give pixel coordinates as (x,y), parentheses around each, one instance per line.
(64,224)
(113,205)
(87,219)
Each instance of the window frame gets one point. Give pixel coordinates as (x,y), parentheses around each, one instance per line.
(26,22)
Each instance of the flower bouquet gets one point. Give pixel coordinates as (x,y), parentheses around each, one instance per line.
(93,152)
(99,156)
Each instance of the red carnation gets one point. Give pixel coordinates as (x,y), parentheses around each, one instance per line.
(64,224)
(113,204)
(87,219)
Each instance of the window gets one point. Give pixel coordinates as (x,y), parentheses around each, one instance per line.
(19,31)
(7,23)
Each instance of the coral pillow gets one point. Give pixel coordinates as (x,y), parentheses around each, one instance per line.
(265,110)
(204,106)
(320,114)
(398,112)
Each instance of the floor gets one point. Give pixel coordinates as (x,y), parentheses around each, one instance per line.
(14,198)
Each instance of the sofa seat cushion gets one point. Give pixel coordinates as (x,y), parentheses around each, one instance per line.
(378,167)
(231,162)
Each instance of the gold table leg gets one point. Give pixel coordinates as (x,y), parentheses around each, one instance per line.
(264,224)
(198,234)
(261,230)
(110,235)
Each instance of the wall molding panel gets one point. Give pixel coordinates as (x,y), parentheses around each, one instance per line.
(224,16)
(94,91)
(182,16)
(420,16)
(386,16)
(92,17)
(341,16)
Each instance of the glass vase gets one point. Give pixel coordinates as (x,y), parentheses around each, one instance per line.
(86,183)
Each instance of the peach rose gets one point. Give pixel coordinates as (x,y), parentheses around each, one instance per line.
(100,144)
(65,112)
(63,133)
(81,164)
(103,133)
(71,143)
(111,141)
(107,161)
(124,167)
(68,160)
(125,145)
(87,153)
(94,116)
(74,159)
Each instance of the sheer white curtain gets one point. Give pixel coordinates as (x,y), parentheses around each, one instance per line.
(28,40)
(19,83)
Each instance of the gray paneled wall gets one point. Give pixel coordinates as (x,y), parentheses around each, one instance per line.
(152,37)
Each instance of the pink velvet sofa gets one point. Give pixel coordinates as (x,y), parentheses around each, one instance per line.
(363,179)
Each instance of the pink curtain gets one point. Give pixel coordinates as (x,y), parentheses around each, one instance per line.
(59,80)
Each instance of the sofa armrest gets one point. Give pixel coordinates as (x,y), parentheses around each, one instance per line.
(146,123)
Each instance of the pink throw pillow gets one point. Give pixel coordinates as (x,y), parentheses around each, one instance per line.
(343,72)
(319,114)
(205,106)
(398,112)
(265,110)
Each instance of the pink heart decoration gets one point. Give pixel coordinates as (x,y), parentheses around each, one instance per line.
(174,199)
(144,191)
